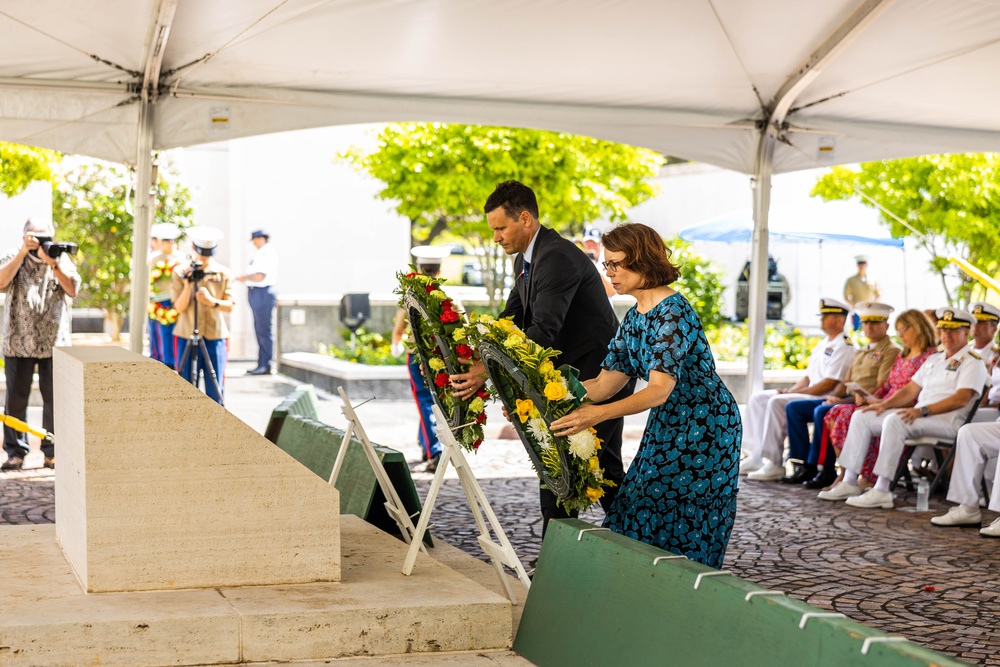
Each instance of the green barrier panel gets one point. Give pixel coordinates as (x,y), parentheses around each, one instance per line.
(597,598)
(301,402)
(315,445)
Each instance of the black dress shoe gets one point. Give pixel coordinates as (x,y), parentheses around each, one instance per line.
(260,371)
(803,472)
(823,478)
(12,463)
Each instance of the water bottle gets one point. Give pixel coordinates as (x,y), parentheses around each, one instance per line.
(923,491)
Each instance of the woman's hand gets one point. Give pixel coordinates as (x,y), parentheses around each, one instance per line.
(580,419)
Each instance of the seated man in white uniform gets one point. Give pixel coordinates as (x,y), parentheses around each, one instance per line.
(944,389)
(976,447)
(984,331)
(765,427)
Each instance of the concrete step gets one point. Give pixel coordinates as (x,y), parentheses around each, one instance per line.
(47,619)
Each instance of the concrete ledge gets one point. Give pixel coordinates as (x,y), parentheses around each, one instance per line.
(47,619)
(358,380)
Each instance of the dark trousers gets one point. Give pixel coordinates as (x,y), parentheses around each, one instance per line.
(799,414)
(18,372)
(218,352)
(610,456)
(426,435)
(262,300)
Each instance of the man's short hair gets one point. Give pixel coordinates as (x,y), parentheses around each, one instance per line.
(514,197)
(38,227)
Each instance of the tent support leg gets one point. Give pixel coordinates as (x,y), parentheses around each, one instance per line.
(140,228)
(758,261)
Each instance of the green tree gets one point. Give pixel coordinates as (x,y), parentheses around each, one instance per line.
(439,175)
(90,208)
(700,282)
(950,203)
(21,165)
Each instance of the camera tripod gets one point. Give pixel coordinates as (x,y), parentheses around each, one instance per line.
(196,342)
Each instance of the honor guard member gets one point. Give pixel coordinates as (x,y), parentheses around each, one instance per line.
(869,369)
(261,279)
(860,288)
(984,331)
(765,425)
(213,298)
(162,315)
(943,388)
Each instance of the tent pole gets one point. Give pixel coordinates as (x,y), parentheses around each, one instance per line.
(140,228)
(758,260)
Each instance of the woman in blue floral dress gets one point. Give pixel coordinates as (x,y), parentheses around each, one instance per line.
(680,492)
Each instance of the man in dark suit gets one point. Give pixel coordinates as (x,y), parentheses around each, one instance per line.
(558,300)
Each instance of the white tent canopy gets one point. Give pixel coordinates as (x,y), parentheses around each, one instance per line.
(759,86)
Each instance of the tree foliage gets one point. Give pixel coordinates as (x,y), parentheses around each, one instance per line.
(952,201)
(21,165)
(439,175)
(700,282)
(90,208)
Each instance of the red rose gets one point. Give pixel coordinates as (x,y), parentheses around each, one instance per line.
(430,288)
(483,394)
(411,275)
(442,380)
(481,418)
(476,444)
(463,351)
(449,316)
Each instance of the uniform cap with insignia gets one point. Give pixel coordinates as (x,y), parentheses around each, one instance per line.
(205,239)
(833,307)
(861,259)
(430,254)
(873,311)
(985,312)
(953,318)
(166,231)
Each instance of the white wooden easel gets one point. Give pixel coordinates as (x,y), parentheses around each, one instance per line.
(500,554)
(393,504)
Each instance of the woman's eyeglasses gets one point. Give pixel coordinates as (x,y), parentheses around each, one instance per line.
(611,266)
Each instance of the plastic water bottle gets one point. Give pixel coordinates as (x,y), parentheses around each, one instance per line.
(923,491)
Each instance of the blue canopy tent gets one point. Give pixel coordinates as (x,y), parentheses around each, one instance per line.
(737,227)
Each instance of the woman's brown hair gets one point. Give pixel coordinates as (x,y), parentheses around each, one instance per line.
(917,321)
(645,253)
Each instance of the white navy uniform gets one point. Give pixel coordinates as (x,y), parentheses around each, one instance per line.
(765,425)
(939,378)
(976,455)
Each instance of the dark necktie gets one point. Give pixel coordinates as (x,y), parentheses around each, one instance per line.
(527,267)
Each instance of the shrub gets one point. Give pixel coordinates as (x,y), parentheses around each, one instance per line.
(785,346)
(700,282)
(370,348)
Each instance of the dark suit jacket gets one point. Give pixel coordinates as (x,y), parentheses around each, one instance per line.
(563,304)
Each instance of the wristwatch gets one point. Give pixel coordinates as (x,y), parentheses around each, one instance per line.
(924,411)
(216,305)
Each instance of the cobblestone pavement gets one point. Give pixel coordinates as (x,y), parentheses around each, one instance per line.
(889,569)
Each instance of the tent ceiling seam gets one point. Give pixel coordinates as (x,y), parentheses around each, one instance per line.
(92,56)
(79,119)
(911,70)
(736,54)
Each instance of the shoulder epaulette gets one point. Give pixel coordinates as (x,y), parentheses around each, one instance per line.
(974,355)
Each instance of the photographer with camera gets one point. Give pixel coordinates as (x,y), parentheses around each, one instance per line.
(202,292)
(40,282)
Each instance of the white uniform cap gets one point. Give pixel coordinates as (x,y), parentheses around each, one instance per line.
(861,259)
(983,311)
(592,234)
(873,311)
(953,318)
(167,231)
(205,239)
(832,306)
(430,254)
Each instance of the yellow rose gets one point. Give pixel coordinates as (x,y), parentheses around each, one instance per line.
(513,341)
(436,364)
(594,494)
(546,367)
(555,391)
(505,325)
(593,465)
(524,409)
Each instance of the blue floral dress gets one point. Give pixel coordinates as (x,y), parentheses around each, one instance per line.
(680,492)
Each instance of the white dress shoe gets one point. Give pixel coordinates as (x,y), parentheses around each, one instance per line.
(842,491)
(992,530)
(871,499)
(749,465)
(768,473)
(958,516)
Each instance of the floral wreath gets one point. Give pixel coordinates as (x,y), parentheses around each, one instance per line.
(536,393)
(159,312)
(439,341)
(165,315)
(160,270)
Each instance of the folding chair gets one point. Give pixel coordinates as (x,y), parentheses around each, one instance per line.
(944,462)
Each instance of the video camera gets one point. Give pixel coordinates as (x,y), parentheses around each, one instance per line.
(53,249)
(197,272)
